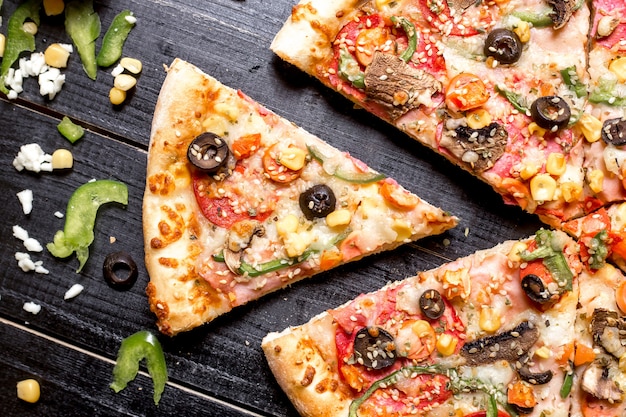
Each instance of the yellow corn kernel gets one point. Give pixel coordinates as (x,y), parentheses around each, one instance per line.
(30,28)
(124,82)
(292,158)
(618,67)
(477,119)
(543,352)
(131,65)
(117,96)
(535,129)
(522,30)
(528,171)
(456,283)
(489,320)
(231,112)
(556,164)
(3,43)
(591,127)
(56,56)
(53,7)
(514,253)
(297,243)
(542,187)
(28,390)
(339,217)
(403,230)
(287,225)
(422,328)
(446,344)
(596,180)
(571,191)
(62,159)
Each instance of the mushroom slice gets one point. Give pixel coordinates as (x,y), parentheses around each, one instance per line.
(563,10)
(239,238)
(398,86)
(609,331)
(510,345)
(480,148)
(596,380)
(461,5)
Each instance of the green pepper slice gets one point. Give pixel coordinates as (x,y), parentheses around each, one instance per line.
(70,130)
(515,99)
(551,254)
(349,176)
(600,249)
(80,218)
(540,19)
(82,24)
(134,348)
(114,39)
(573,82)
(411,33)
(349,69)
(568,382)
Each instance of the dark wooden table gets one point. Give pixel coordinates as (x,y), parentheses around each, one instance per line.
(219,369)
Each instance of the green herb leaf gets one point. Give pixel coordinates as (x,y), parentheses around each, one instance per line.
(114,39)
(515,99)
(82,24)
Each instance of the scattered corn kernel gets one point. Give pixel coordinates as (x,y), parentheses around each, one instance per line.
(339,217)
(556,164)
(403,230)
(56,56)
(529,170)
(489,320)
(591,127)
(514,253)
(522,30)
(618,67)
(117,96)
(571,191)
(30,28)
(297,243)
(535,129)
(542,187)
(446,344)
(131,65)
(3,43)
(62,159)
(287,225)
(28,390)
(124,82)
(292,158)
(596,180)
(543,352)
(477,119)
(53,7)
(422,328)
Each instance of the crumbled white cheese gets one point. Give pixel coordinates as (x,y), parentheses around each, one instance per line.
(68,47)
(59,214)
(32,158)
(50,79)
(73,291)
(30,243)
(26,200)
(20,233)
(131,19)
(117,70)
(26,263)
(32,307)
(51,82)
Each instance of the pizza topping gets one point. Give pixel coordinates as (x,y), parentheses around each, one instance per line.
(349,68)
(431,304)
(536,290)
(609,331)
(597,381)
(478,148)
(317,201)
(562,11)
(522,397)
(409,29)
(114,263)
(510,345)
(534,378)
(465,92)
(374,348)
(239,238)
(614,131)
(550,112)
(550,250)
(503,45)
(208,152)
(276,162)
(355,176)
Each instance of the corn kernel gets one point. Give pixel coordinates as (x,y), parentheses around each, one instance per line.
(535,129)
(596,180)
(528,171)
(297,243)
(131,65)
(489,320)
(30,28)
(56,56)
(228,110)
(339,217)
(591,127)
(117,96)
(571,191)
(542,187)
(403,230)
(53,7)
(514,253)
(292,158)
(422,328)
(556,164)
(287,225)
(446,344)
(3,44)
(543,352)
(62,159)
(477,119)
(618,67)
(522,30)
(124,82)
(28,390)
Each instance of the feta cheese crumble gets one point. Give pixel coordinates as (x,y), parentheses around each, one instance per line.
(32,158)
(30,243)
(73,291)
(49,78)
(26,263)
(26,200)
(32,307)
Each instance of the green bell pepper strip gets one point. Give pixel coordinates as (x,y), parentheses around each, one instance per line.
(80,218)
(18,40)
(573,83)
(82,24)
(353,177)
(134,348)
(600,249)
(606,92)
(114,39)
(515,99)
(540,19)
(349,69)
(568,382)
(70,130)
(551,254)
(411,33)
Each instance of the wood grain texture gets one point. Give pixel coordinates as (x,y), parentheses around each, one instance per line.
(220,365)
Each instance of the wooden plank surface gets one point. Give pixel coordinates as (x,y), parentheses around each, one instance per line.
(70,345)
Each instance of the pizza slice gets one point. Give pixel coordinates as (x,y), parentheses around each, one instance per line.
(489,334)
(239,202)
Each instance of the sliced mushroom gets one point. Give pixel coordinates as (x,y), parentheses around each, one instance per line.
(480,148)
(239,238)
(398,86)
(534,378)
(562,11)
(461,5)
(609,331)
(597,381)
(510,345)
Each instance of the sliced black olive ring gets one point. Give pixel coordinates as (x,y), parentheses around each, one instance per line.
(317,201)
(374,348)
(550,112)
(535,289)
(208,152)
(114,263)
(614,131)
(503,45)
(431,304)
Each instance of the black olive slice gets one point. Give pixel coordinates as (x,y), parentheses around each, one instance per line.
(113,266)
(208,152)
(522,410)
(535,289)
(550,112)
(431,304)
(534,378)
(317,201)
(503,45)
(614,131)
(374,348)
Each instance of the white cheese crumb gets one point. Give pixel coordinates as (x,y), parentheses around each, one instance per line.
(20,233)
(32,307)
(50,79)
(32,158)
(68,47)
(26,263)
(26,200)
(117,70)
(33,245)
(59,214)
(73,291)
(131,19)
